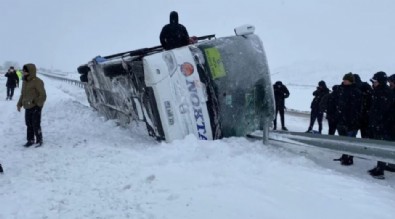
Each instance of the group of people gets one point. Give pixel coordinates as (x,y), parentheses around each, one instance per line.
(32,99)
(356,106)
(350,107)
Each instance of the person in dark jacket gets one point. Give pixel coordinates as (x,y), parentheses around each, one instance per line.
(32,98)
(348,101)
(367,91)
(316,113)
(381,117)
(174,34)
(328,105)
(280,93)
(348,107)
(391,81)
(381,110)
(12,82)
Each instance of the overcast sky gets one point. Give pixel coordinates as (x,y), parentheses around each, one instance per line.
(66,33)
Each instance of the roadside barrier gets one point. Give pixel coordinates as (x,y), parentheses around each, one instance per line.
(70,81)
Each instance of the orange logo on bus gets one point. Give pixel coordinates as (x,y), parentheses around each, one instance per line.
(187,69)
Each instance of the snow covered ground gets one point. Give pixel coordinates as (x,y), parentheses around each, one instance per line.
(92,168)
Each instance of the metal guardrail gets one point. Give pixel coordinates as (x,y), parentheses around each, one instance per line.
(70,81)
(367,148)
(297,112)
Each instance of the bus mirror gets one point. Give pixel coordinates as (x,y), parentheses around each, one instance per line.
(244,30)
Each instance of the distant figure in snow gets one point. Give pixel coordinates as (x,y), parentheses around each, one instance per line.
(316,113)
(280,93)
(174,35)
(19,74)
(12,82)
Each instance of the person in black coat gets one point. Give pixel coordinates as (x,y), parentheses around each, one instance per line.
(316,112)
(280,93)
(348,102)
(12,82)
(381,117)
(328,105)
(174,35)
(391,81)
(348,107)
(367,91)
(381,109)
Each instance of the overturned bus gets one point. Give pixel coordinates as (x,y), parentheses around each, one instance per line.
(217,87)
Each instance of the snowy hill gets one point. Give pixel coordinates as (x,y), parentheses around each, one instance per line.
(92,168)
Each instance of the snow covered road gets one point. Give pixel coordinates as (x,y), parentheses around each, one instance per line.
(92,168)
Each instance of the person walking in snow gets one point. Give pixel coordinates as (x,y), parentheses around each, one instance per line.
(316,113)
(174,34)
(12,82)
(280,94)
(32,98)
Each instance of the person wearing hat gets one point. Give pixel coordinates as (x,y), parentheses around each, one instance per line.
(316,113)
(348,102)
(280,94)
(381,117)
(348,107)
(381,110)
(12,82)
(32,98)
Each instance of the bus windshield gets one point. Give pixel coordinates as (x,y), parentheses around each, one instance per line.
(239,89)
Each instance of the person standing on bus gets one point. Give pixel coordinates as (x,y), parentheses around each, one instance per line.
(174,34)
